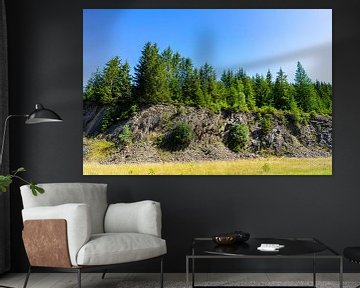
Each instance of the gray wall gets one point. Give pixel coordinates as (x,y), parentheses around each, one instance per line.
(45,49)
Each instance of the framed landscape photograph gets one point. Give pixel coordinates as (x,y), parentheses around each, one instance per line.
(207,92)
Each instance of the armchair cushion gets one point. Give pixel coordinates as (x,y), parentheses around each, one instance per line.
(92,194)
(138,217)
(78,221)
(113,248)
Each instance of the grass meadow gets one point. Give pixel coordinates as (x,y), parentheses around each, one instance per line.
(263,166)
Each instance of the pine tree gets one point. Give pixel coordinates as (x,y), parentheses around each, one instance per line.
(187,81)
(175,86)
(269,101)
(305,95)
(125,87)
(324,94)
(269,78)
(262,91)
(150,77)
(236,97)
(220,97)
(208,83)
(169,78)
(92,92)
(283,96)
(111,84)
(171,62)
(249,93)
(241,74)
(228,78)
(197,93)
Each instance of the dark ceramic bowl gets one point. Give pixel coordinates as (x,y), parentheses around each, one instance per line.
(231,238)
(225,239)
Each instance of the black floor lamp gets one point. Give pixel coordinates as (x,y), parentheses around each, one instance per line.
(39,115)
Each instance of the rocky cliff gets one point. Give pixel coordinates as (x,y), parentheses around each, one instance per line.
(271,133)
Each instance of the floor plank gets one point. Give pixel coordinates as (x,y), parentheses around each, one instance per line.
(114,280)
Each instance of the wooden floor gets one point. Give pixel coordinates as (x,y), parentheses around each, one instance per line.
(114,280)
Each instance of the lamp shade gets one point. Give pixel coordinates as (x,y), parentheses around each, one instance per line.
(42,115)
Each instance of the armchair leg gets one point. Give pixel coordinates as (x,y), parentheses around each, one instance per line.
(161,273)
(79,277)
(27,277)
(103,275)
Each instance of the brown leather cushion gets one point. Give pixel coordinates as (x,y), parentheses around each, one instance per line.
(46,243)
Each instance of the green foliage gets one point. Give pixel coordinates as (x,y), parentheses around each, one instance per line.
(268,110)
(179,138)
(131,111)
(151,77)
(266,124)
(125,136)
(283,93)
(324,97)
(266,168)
(249,93)
(172,62)
(111,115)
(297,117)
(93,89)
(305,91)
(234,91)
(99,149)
(6,180)
(114,114)
(180,110)
(127,111)
(36,189)
(167,77)
(238,137)
(262,90)
(111,86)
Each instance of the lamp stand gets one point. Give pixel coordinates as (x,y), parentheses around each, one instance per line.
(39,115)
(4,135)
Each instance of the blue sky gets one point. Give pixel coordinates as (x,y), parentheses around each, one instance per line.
(255,39)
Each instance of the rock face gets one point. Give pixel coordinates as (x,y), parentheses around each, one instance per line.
(281,136)
(92,116)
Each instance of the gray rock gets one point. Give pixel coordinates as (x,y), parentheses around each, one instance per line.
(313,139)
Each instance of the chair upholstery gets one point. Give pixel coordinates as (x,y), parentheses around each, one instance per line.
(113,248)
(77,216)
(92,194)
(139,217)
(132,230)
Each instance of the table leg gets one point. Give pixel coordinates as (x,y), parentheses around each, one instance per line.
(341,273)
(314,271)
(193,272)
(187,272)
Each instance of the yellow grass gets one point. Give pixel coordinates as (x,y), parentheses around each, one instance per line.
(264,166)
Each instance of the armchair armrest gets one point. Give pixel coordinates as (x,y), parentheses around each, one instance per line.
(78,225)
(138,217)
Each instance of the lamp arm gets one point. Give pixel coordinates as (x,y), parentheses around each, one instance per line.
(4,134)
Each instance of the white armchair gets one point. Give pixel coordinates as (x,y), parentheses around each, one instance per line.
(72,228)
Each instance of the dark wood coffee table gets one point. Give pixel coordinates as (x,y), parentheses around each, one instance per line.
(294,248)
